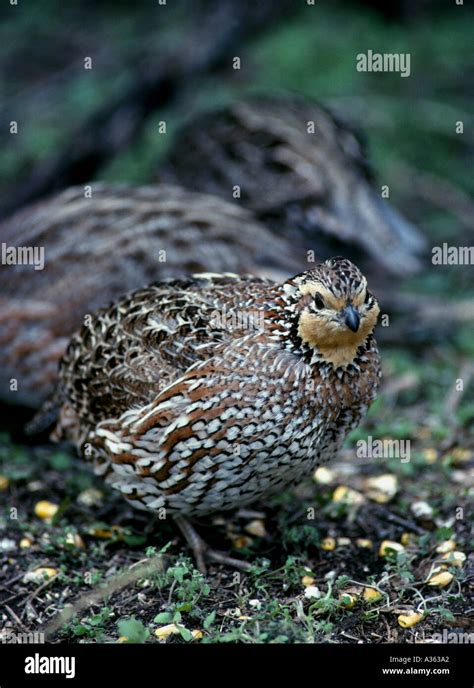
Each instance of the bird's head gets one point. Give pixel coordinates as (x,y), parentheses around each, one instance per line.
(335,312)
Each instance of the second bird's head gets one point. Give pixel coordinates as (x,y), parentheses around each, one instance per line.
(334,310)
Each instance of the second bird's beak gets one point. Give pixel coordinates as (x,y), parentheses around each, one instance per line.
(351,317)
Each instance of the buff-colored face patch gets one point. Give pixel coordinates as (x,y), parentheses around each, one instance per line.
(322,324)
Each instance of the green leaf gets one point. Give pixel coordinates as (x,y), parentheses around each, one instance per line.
(185,634)
(96,620)
(179,572)
(209,620)
(133,630)
(186,607)
(443,534)
(446,614)
(163,617)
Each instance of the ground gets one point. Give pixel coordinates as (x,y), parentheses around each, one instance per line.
(318,572)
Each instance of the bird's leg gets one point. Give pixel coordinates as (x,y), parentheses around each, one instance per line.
(194,540)
(202,551)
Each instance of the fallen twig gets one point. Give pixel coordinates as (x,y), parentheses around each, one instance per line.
(116,583)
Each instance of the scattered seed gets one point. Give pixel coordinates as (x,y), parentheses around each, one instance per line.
(7,545)
(446,546)
(454,559)
(382,488)
(106,533)
(75,540)
(328,544)
(312,592)
(364,543)
(256,527)
(430,455)
(460,455)
(324,476)
(409,619)
(440,580)
(347,600)
(90,497)
(347,495)
(164,632)
(35,486)
(388,545)
(422,510)
(241,541)
(39,575)
(46,510)
(372,595)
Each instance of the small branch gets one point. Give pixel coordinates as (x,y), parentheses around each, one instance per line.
(147,568)
(466,373)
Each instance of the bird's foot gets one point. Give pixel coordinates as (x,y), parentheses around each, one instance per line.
(202,551)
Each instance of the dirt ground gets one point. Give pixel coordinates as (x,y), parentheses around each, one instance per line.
(319,571)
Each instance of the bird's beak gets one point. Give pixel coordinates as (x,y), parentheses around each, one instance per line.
(351,317)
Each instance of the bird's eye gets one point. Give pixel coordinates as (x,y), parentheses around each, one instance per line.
(318,300)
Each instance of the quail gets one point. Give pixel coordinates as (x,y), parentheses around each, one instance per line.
(302,171)
(205,394)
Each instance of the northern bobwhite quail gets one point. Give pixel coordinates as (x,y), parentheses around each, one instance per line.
(302,171)
(205,394)
(99,243)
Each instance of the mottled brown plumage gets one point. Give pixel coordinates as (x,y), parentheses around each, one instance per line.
(209,393)
(101,243)
(302,171)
